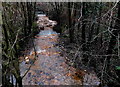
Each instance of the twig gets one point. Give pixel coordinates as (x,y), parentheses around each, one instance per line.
(118,45)
(111,9)
(15,39)
(103,69)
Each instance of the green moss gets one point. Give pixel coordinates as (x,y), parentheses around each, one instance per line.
(117,67)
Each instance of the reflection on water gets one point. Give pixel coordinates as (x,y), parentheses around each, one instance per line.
(47,32)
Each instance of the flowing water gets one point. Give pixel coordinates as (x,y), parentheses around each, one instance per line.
(49,67)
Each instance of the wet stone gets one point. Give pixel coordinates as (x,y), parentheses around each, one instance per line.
(29,74)
(38,71)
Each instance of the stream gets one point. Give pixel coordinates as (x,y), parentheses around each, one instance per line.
(48,67)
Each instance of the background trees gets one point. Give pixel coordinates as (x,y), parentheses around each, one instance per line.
(90,32)
(93,32)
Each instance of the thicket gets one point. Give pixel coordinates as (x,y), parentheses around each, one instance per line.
(91,34)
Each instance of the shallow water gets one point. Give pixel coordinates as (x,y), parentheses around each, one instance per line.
(49,68)
(47,32)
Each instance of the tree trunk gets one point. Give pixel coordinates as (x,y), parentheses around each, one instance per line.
(6,38)
(91,32)
(70,23)
(25,18)
(83,26)
(73,23)
(29,12)
(19,80)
